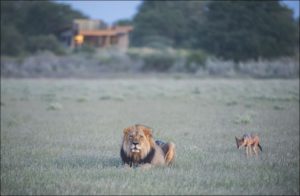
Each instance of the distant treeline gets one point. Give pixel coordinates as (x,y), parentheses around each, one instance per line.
(237,30)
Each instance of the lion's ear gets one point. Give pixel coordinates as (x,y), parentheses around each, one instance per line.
(126,130)
(147,132)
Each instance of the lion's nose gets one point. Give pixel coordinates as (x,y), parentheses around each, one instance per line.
(135,143)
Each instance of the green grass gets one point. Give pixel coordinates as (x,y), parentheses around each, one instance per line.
(64,136)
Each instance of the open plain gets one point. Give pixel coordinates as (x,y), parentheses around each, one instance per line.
(63,136)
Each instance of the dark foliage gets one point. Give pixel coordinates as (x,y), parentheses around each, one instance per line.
(22,20)
(238,30)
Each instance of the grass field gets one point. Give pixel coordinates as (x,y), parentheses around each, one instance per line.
(64,136)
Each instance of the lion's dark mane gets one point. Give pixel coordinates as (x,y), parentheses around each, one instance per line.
(128,160)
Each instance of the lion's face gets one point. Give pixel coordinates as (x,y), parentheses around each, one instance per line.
(137,141)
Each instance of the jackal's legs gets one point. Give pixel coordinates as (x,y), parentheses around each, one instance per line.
(250,149)
(247,151)
(255,150)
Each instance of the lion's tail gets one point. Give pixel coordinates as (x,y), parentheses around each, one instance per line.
(170,155)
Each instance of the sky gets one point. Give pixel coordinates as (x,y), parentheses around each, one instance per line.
(111,11)
(108,11)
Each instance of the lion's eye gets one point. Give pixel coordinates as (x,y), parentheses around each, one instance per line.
(130,137)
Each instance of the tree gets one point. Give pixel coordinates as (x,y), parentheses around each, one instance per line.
(12,42)
(123,22)
(169,20)
(21,20)
(243,30)
(46,17)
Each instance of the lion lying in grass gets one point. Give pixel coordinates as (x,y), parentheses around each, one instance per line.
(139,148)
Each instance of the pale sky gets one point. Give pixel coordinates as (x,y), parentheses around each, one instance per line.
(111,11)
(108,11)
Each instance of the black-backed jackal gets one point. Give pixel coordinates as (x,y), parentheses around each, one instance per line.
(250,141)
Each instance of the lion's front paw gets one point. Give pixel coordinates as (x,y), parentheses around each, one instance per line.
(145,166)
(126,166)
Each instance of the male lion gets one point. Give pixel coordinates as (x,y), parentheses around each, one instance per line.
(139,149)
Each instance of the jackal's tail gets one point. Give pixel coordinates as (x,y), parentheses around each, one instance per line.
(259,146)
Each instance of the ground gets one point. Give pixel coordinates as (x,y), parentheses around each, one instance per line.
(64,136)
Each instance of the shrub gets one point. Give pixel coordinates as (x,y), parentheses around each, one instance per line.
(243,119)
(133,54)
(220,67)
(86,48)
(54,106)
(44,42)
(195,59)
(284,67)
(158,62)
